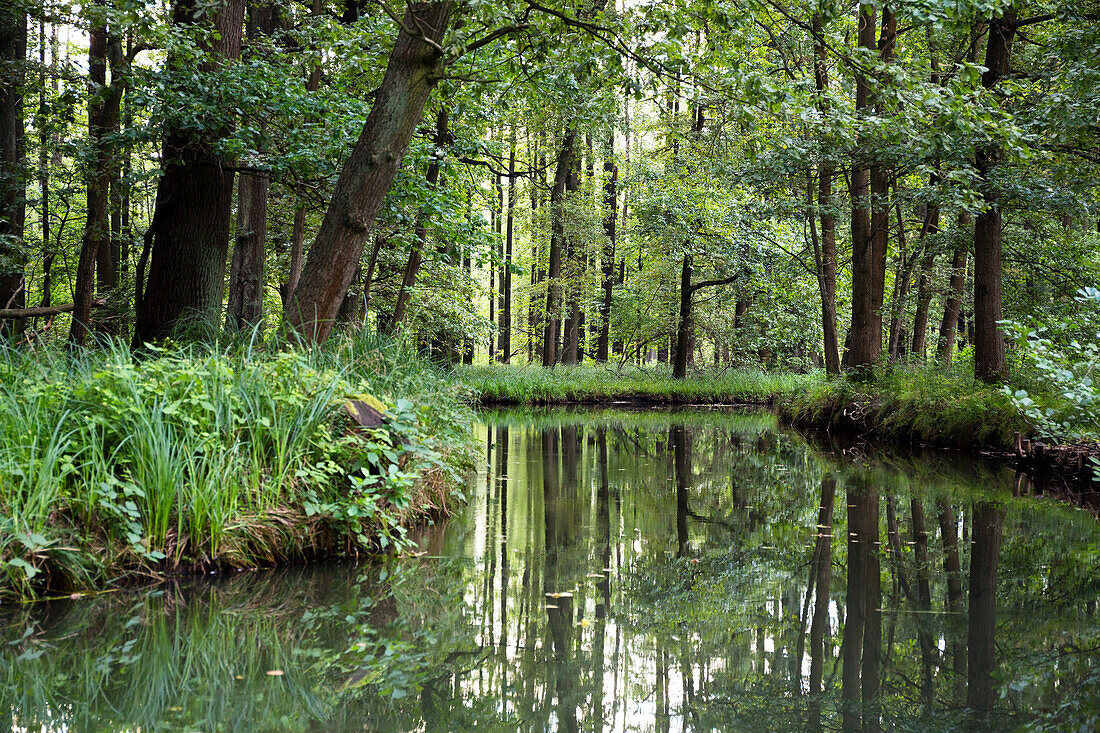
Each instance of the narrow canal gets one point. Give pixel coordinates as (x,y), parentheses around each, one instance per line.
(619,571)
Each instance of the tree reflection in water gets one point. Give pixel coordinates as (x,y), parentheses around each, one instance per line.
(620,572)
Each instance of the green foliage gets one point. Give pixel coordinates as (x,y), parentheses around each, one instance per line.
(206,455)
(1065,357)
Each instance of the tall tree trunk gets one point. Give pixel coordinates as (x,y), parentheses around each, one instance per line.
(96,264)
(611,211)
(416,256)
(826,251)
(562,171)
(865,334)
(989,343)
(411,74)
(953,303)
(504,326)
(245,305)
(13,209)
(190,227)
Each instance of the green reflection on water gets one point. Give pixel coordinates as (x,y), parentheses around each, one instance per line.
(618,571)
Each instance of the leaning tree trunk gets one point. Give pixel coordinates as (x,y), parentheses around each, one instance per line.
(412,73)
(989,343)
(13,210)
(190,229)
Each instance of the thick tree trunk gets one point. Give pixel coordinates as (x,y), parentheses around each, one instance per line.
(611,211)
(13,53)
(190,228)
(683,323)
(865,334)
(97,265)
(989,343)
(953,303)
(411,74)
(562,172)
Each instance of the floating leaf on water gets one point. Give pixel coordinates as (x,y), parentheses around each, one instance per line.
(551,605)
(563,594)
(275,673)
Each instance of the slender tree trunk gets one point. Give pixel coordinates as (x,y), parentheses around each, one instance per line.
(819,625)
(929,227)
(953,303)
(190,228)
(245,304)
(683,324)
(13,210)
(416,256)
(504,327)
(411,74)
(103,118)
(902,279)
(611,210)
(989,343)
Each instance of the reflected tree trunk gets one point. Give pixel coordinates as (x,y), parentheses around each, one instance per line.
(822,569)
(985,553)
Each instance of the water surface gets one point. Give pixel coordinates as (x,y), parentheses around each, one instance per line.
(644,571)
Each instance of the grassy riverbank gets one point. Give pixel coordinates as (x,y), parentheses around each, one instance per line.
(933,406)
(515,384)
(197,457)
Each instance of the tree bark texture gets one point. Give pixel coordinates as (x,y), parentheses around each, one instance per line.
(562,170)
(103,117)
(989,342)
(13,210)
(190,228)
(611,210)
(865,334)
(412,73)
(245,305)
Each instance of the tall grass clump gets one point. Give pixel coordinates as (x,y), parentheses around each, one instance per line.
(929,404)
(601,383)
(194,456)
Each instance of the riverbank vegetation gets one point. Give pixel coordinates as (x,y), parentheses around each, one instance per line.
(214,456)
(515,384)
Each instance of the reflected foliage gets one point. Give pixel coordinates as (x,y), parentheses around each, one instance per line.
(614,571)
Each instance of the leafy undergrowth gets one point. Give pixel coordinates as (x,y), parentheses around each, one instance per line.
(933,406)
(601,383)
(195,457)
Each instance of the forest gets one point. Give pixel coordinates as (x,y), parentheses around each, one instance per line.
(669,364)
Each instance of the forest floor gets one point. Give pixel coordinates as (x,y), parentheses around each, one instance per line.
(118,470)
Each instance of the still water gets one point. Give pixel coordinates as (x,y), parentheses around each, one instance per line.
(614,571)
